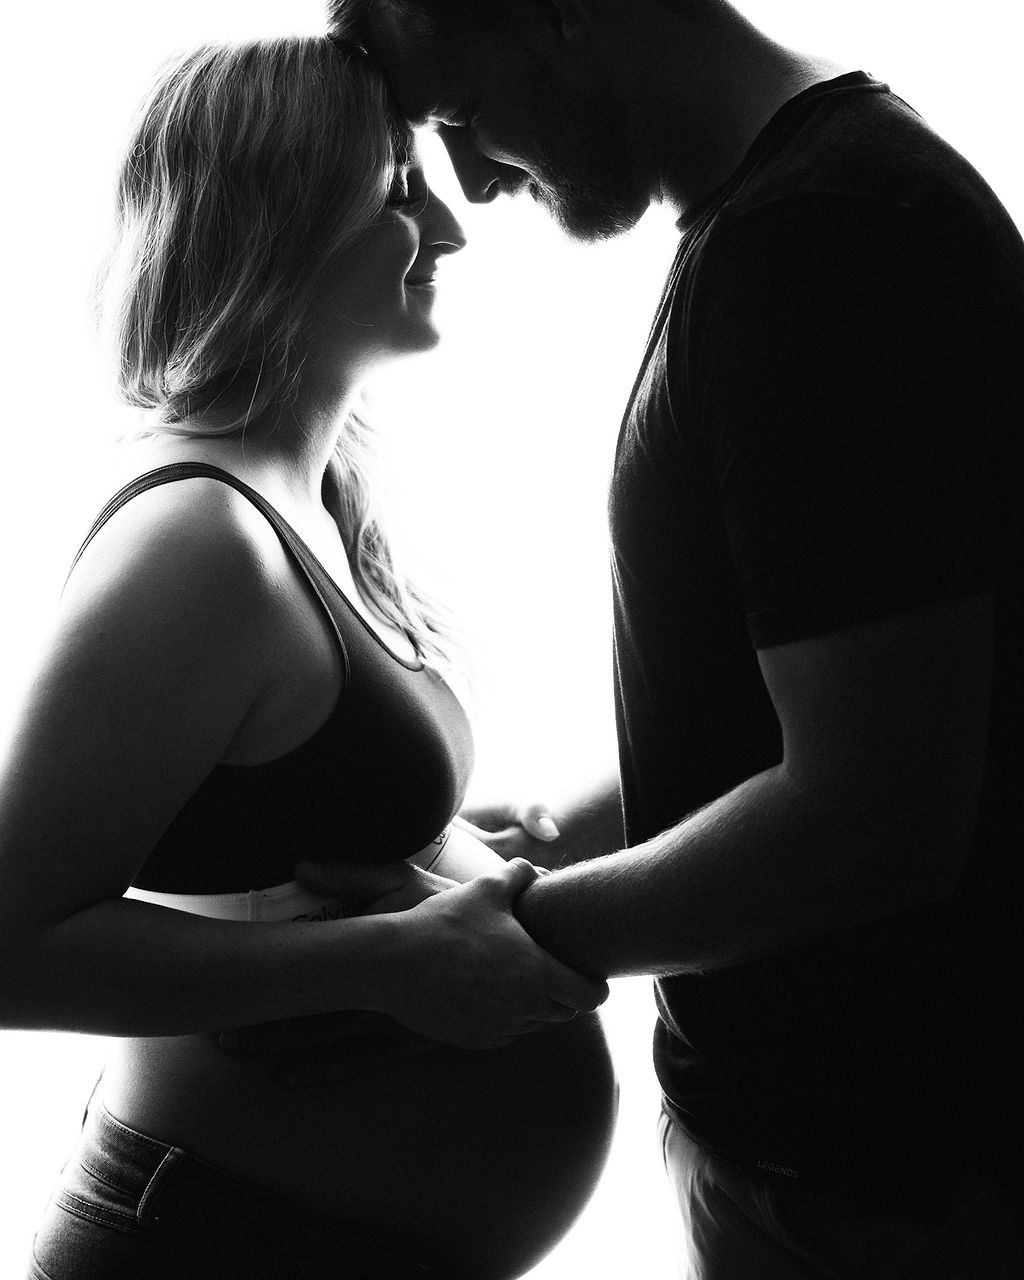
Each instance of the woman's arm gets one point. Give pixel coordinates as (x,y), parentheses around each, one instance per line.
(156,667)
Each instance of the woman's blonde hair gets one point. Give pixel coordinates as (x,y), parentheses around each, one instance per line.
(250,166)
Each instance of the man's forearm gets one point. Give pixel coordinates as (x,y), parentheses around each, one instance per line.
(760,871)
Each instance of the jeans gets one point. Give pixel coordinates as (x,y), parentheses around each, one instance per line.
(129,1207)
(744,1226)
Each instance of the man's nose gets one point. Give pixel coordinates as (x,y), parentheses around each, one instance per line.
(481,178)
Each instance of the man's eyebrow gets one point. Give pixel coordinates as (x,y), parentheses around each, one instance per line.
(452,107)
(422,119)
(431,116)
(417,112)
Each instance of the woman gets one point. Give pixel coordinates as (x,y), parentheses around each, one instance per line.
(239,678)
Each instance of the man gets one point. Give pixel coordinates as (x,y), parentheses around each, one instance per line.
(815,516)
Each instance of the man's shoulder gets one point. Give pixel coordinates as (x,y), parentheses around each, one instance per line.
(856,142)
(868,155)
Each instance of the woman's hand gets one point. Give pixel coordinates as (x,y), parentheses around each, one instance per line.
(466,972)
(340,1046)
(479,1000)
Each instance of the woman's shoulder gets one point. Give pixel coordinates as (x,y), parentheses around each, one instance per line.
(194,541)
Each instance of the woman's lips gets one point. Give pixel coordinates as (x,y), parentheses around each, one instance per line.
(420,275)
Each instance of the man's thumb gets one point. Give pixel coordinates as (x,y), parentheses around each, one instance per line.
(361,883)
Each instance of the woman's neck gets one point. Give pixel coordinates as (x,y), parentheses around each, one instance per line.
(285,456)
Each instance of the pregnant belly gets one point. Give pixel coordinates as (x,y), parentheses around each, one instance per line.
(472,1163)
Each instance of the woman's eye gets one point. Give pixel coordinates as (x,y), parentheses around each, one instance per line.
(408,204)
(411,198)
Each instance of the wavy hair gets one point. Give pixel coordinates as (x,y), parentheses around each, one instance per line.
(249,167)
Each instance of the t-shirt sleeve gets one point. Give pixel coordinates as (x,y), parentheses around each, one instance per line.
(843,381)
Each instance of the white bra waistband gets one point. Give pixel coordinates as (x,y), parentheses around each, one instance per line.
(280,902)
(455,853)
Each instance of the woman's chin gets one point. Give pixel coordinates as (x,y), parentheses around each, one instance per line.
(419,335)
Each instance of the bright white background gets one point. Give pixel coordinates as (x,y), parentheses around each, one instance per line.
(500,444)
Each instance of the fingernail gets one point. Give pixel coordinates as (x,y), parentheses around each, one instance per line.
(546,828)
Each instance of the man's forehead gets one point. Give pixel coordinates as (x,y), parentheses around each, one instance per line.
(423,71)
(407,58)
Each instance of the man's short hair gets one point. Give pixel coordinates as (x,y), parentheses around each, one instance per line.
(349,17)
(448,16)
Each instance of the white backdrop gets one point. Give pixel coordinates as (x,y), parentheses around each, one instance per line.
(500,444)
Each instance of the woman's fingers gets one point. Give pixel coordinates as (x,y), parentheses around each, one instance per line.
(575,990)
(516,875)
(565,986)
(470,975)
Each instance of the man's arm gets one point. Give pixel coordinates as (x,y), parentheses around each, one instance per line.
(870,811)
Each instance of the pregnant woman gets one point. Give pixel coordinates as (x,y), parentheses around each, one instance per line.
(239,678)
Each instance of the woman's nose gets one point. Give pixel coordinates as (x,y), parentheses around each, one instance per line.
(444,231)
(481,178)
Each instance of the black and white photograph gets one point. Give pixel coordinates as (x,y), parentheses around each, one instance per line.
(512,711)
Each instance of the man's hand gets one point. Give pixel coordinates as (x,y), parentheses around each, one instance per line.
(588,824)
(373,890)
(511,830)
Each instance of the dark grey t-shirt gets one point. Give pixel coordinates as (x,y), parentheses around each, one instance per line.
(825,430)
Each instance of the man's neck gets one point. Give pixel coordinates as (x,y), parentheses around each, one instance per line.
(716,92)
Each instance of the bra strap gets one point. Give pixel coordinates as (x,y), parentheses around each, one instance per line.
(307,562)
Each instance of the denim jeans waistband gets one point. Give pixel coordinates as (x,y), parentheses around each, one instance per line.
(124,1190)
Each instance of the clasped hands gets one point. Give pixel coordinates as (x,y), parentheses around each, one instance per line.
(465,972)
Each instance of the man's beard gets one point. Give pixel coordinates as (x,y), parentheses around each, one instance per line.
(588,198)
(585,213)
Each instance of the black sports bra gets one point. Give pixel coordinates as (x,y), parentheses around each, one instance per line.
(377,782)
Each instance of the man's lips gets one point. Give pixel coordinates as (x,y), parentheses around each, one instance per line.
(513,187)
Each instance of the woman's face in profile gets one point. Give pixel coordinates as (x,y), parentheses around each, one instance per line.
(376,300)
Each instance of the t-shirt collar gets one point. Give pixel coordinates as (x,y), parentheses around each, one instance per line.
(774,135)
